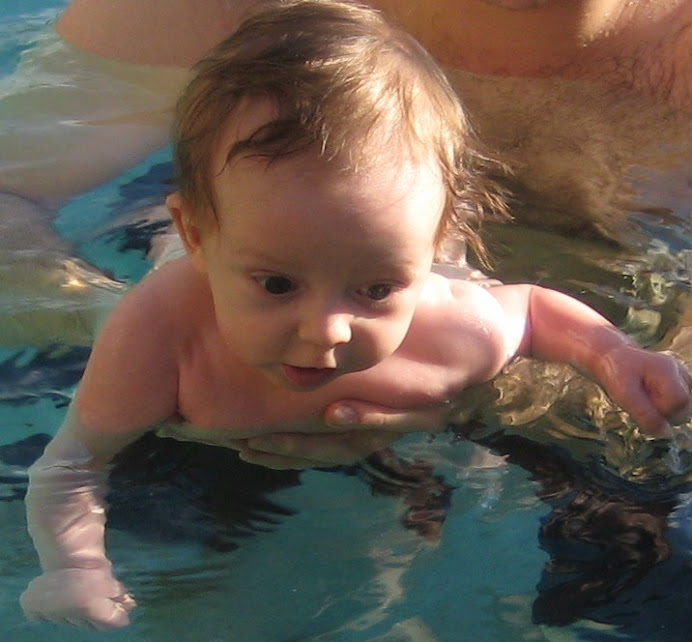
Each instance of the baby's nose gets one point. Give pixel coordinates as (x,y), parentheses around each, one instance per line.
(327,329)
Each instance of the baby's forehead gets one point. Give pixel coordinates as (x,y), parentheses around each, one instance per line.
(246,117)
(346,148)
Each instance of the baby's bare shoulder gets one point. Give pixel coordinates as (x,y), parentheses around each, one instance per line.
(156,320)
(458,327)
(446,290)
(175,293)
(454,308)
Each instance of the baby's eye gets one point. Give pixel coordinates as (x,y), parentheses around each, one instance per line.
(378,291)
(276,285)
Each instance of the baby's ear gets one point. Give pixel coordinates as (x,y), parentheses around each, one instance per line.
(182,212)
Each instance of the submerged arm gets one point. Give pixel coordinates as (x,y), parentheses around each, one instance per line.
(118,399)
(68,121)
(71,120)
(66,516)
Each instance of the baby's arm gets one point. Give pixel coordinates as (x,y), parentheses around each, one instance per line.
(66,515)
(653,387)
(130,383)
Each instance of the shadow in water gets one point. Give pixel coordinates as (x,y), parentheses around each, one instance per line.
(613,557)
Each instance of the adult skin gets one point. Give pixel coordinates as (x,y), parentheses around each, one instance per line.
(644,45)
(586,100)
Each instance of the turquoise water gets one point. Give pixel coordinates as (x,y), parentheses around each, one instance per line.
(214,551)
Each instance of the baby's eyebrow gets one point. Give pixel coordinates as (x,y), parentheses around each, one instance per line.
(260,258)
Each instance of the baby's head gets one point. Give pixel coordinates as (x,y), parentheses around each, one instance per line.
(342,82)
(323,158)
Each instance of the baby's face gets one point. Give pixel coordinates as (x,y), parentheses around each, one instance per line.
(316,272)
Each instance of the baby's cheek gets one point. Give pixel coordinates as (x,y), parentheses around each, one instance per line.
(370,351)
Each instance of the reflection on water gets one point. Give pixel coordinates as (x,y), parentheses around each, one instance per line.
(646,293)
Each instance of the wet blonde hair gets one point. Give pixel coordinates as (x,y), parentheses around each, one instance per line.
(343,81)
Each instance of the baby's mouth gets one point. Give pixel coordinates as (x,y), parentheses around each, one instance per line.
(307,377)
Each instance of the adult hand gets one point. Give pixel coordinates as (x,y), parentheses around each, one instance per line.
(353,430)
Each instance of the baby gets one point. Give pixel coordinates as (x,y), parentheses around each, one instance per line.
(323,160)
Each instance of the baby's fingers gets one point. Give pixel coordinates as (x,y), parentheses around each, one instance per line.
(667,384)
(111,614)
(677,399)
(103,615)
(662,398)
(647,416)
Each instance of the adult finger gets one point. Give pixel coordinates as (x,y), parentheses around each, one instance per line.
(278,462)
(326,449)
(353,413)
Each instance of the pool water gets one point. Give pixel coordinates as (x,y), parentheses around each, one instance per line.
(574,537)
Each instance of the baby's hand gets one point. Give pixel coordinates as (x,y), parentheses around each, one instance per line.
(653,387)
(86,597)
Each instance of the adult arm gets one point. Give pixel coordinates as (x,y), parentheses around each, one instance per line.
(155,32)
(353,429)
(71,120)
(68,121)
